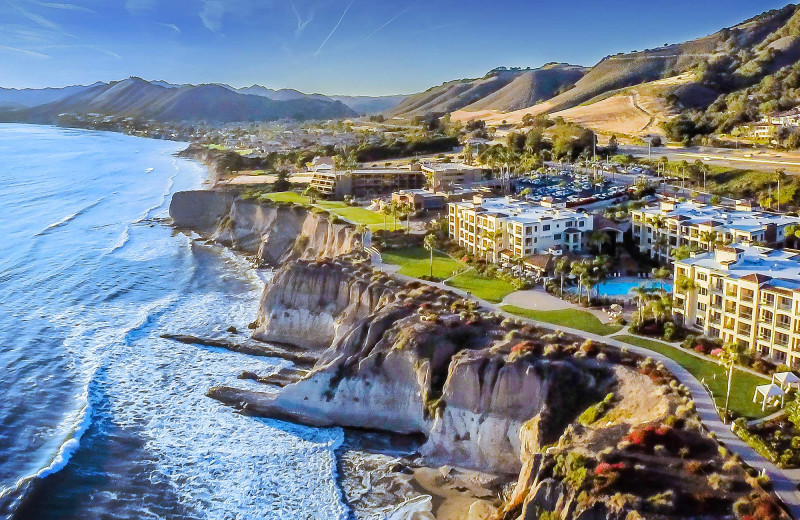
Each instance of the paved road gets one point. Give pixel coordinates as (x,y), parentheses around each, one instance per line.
(784,481)
(763,160)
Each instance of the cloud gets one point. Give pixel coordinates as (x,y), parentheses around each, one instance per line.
(171,26)
(212,13)
(301,24)
(137,7)
(67,7)
(335,27)
(94,48)
(35,18)
(24,51)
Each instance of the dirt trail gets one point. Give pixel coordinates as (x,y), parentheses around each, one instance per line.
(635,102)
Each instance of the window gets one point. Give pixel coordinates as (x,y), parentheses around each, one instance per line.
(546,227)
(784,322)
(581,223)
(765,334)
(557,236)
(702,291)
(768,299)
(781,338)
(766,316)
(701,307)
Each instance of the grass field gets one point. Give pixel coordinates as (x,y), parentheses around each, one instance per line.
(416,262)
(483,287)
(354,214)
(287,196)
(715,376)
(571,318)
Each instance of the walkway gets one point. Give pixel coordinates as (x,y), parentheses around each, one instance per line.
(784,481)
(539,300)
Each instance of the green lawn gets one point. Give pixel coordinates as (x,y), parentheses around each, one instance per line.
(354,214)
(287,196)
(416,262)
(571,318)
(483,287)
(715,376)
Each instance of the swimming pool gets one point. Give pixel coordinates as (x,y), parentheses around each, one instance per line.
(622,287)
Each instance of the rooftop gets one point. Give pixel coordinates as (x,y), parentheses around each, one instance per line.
(692,214)
(520,211)
(445,167)
(774,267)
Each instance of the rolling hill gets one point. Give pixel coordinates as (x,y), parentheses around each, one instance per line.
(531,87)
(135,97)
(649,86)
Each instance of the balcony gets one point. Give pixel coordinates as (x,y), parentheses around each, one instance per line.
(783,325)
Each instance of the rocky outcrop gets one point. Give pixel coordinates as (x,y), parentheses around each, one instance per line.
(385,364)
(273,233)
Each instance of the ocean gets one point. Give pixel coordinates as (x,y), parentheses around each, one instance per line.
(100,417)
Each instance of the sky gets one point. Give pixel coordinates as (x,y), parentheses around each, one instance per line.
(356,47)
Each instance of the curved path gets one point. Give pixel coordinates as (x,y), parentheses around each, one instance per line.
(784,481)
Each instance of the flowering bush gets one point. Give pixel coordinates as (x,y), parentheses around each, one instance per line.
(604,468)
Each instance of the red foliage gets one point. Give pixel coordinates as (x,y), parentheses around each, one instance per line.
(766,510)
(605,467)
(701,349)
(650,436)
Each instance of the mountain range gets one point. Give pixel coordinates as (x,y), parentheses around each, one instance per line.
(163,101)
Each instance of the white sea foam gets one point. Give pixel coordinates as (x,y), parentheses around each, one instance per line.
(69,218)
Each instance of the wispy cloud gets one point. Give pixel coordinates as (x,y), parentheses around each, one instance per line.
(335,27)
(35,18)
(137,7)
(27,52)
(95,48)
(212,13)
(67,7)
(171,26)
(388,22)
(301,24)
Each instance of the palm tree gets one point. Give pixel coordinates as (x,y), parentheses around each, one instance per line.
(598,239)
(642,294)
(730,356)
(562,267)
(708,238)
(579,269)
(782,177)
(661,274)
(361,230)
(386,210)
(683,285)
(430,244)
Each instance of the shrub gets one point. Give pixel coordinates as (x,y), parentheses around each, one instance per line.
(764,481)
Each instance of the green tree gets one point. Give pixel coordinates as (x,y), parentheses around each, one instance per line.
(312,193)
(430,245)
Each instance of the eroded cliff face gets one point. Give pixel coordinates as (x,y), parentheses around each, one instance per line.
(273,233)
(387,364)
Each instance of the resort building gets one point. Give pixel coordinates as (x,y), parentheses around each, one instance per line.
(363,183)
(420,199)
(498,228)
(743,294)
(657,230)
(446,176)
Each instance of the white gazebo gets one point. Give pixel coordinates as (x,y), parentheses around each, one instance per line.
(786,380)
(768,392)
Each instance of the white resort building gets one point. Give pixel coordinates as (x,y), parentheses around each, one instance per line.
(658,229)
(497,228)
(744,294)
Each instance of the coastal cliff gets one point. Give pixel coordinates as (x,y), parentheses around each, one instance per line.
(273,233)
(495,395)
(398,357)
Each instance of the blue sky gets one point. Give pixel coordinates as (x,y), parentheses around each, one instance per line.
(333,46)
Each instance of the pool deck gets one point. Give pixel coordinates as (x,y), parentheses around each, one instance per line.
(539,300)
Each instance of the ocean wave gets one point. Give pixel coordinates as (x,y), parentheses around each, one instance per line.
(76,425)
(69,218)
